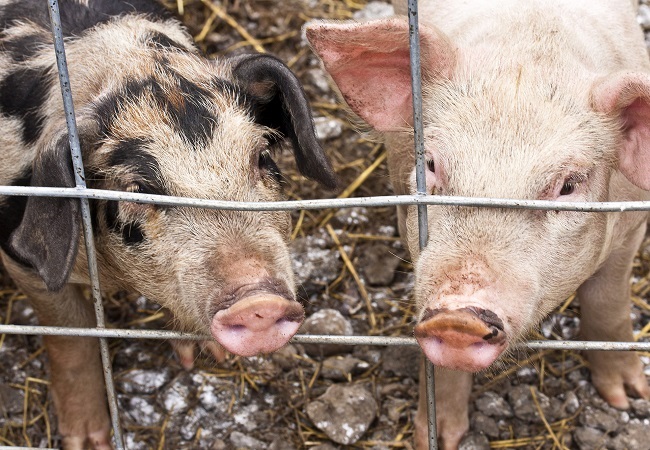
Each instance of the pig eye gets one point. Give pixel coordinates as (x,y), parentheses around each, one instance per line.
(431,165)
(568,188)
(267,165)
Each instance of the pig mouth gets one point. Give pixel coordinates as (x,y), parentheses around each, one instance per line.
(468,339)
(256,318)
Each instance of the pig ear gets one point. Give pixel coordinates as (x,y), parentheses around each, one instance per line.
(283,106)
(626,96)
(369,62)
(48,235)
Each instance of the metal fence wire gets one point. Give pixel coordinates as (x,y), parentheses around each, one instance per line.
(421,199)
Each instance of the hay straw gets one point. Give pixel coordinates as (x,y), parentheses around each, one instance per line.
(353,271)
(223,15)
(543,417)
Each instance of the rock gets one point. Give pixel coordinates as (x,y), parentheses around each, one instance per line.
(314,264)
(493,405)
(241,440)
(379,263)
(143,412)
(570,404)
(633,436)
(396,408)
(175,398)
(327,128)
(341,368)
(595,418)
(11,400)
(589,438)
(524,408)
(402,361)
(281,443)
(319,80)
(351,216)
(474,441)
(326,321)
(481,423)
(285,357)
(640,408)
(343,412)
(219,445)
(143,381)
(374,10)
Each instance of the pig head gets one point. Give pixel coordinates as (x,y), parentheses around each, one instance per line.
(535,100)
(154,117)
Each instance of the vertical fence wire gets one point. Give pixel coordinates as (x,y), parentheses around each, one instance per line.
(423,226)
(80,182)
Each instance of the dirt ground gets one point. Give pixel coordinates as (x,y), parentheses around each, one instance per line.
(310,396)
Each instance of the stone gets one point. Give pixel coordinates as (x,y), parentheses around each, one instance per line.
(143,381)
(344,412)
(241,440)
(589,438)
(640,408)
(596,418)
(329,322)
(327,128)
(379,264)
(633,436)
(374,10)
(474,441)
(402,361)
(175,398)
(341,368)
(285,357)
(315,264)
(493,405)
(486,425)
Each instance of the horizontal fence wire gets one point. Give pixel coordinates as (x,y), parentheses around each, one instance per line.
(305,338)
(327,203)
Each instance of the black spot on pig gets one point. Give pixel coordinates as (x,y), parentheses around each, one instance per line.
(23,94)
(183,104)
(132,154)
(76,17)
(24,47)
(12,210)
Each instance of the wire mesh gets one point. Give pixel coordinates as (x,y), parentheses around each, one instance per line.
(421,200)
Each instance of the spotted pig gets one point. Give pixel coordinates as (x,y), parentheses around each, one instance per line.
(155,117)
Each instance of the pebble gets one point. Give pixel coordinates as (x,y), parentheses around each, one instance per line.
(318,78)
(589,438)
(341,368)
(327,128)
(641,408)
(379,263)
(326,321)
(481,423)
(241,440)
(143,412)
(176,395)
(633,436)
(493,405)
(402,361)
(596,418)
(314,264)
(143,381)
(374,10)
(344,412)
(474,441)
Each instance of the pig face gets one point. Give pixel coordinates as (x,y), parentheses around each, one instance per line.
(495,128)
(167,121)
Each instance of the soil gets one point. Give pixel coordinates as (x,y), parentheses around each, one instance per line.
(321,397)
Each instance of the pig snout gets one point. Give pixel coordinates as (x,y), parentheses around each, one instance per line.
(467,339)
(258,320)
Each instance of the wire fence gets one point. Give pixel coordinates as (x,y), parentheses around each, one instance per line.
(421,199)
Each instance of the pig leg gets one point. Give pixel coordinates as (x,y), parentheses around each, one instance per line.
(77,378)
(453,389)
(605,316)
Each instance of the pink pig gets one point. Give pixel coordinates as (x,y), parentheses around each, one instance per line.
(543,99)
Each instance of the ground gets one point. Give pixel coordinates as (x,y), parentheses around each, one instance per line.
(305,396)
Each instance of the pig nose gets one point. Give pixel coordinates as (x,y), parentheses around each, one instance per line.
(467,339)
(260,323)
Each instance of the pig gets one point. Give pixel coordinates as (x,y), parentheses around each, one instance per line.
(157,117)
(543,100)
